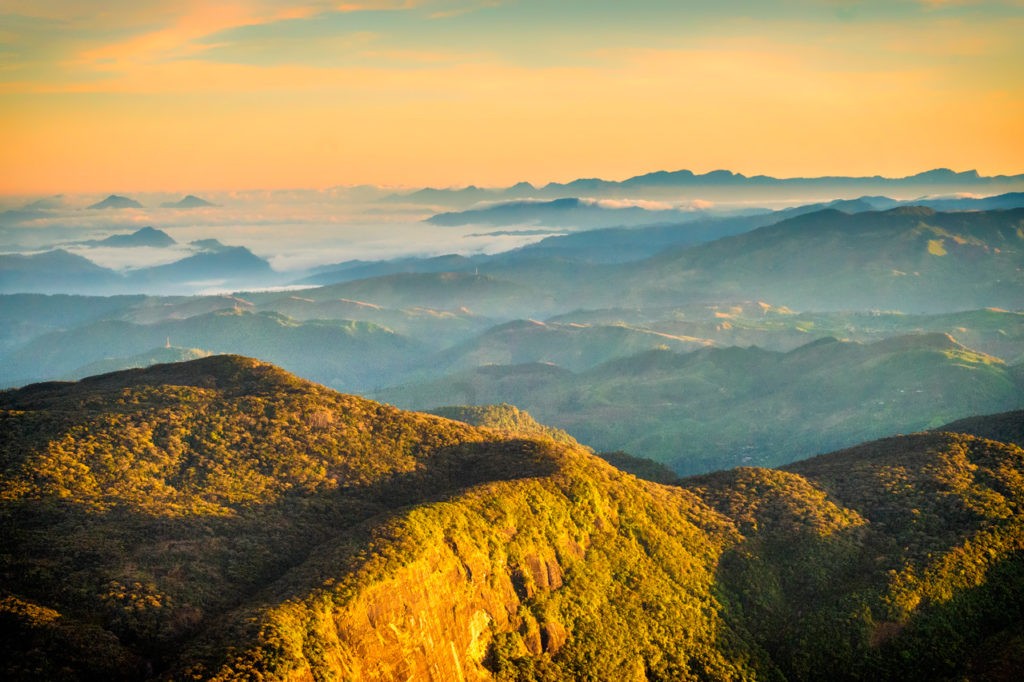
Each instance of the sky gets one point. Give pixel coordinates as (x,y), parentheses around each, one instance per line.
(159,95)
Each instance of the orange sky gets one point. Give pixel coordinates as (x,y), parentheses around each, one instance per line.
(150,96)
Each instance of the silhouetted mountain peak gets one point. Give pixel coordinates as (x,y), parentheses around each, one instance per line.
(116,201)
(146,236)
(190,201)
(46,203)
(212,245)
(946,174)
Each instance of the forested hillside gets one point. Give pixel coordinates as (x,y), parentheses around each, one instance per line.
(222,519)
(716,408)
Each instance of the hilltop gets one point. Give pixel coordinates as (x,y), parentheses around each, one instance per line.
(223,519)
(145,236)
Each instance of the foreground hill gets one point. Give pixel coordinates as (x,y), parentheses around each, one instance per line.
(221,519)
(720,407)
(896,559)
(510,419)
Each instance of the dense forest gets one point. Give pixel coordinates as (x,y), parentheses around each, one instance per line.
(223,519)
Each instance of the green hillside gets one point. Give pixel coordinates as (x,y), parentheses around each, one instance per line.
(510,419)
(451,291)
(911,259)
(758,323)
(503,417)
(433,328)
(1007,427)
(573,346)
(896,559)
(722,407)
(222,519)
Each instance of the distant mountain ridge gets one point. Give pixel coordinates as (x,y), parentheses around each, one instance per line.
(721,183)
(909,258)
(570,212)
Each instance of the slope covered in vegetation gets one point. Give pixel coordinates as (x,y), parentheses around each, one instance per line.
(897,559)
(722,407)
(504,417)
(222,519)
(908,258)
(229,510)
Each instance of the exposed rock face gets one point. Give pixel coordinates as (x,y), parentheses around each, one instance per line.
(503,575)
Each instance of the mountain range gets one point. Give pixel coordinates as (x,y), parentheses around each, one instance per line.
(911,259)
(724,185)
(587,494)
(575,213)
(222,519)
(716,408)
(590,214)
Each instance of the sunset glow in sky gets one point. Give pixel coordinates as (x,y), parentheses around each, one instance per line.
(133,95)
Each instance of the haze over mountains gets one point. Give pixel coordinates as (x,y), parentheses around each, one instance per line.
(722,184)
(721,407)
(589,330)
(215,516)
